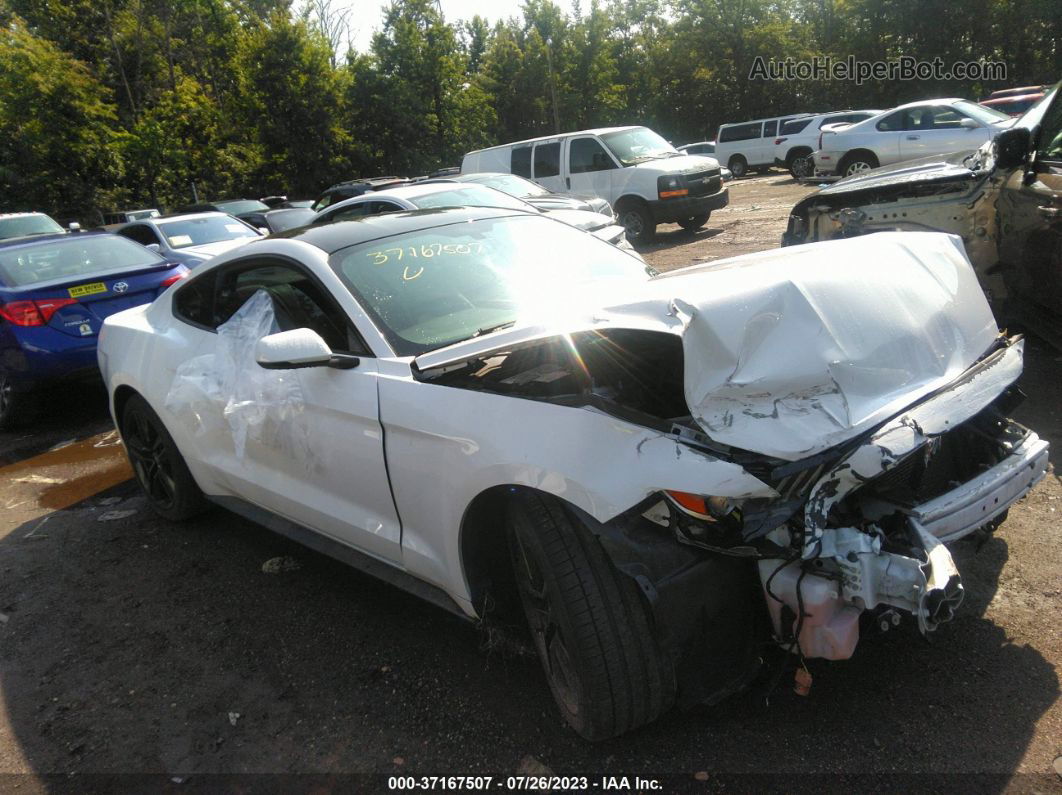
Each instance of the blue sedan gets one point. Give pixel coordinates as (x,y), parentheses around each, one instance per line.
(55,292)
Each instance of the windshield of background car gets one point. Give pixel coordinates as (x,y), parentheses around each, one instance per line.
(433,287)
(242,206)
(514,186)
(980,112)
(74,257)
(206,229)
(23,225)
(634,146)
(469,196)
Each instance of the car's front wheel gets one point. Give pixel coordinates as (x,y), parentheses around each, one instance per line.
(694,223)
(738,166)
(589,624)
(638,222)
(157,463)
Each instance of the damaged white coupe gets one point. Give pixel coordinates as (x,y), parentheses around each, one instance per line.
(661,475)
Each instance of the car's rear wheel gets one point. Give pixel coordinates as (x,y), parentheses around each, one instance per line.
(694,223)
(738,166)
(157,463)
(801,166)
(589,624)
(15,410)
(857,163)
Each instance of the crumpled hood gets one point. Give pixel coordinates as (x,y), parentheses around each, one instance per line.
(557,201)
(792,351)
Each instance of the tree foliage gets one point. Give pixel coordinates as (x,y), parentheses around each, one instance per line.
(134,102)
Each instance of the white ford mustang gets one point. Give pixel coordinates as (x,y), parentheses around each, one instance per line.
(665,472)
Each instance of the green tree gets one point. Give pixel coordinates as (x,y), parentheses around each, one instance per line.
(56,129)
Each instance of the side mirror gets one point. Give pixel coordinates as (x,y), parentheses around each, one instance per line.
(969,124)
(155,247)
(299,348)
(262,230)
(75,226)
(1012,147)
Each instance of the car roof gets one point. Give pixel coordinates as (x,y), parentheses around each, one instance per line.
(595,131)
(32,240)
(22,215)
(783,117)
(335,236)
(941,101)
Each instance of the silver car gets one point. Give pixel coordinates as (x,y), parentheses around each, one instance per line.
(192,238)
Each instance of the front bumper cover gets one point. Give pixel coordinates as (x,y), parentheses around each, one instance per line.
(667,211)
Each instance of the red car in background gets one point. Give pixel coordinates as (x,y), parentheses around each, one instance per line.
(1014,101)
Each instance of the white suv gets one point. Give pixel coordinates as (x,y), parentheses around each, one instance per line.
(749,144)
(918,129)
(798,138)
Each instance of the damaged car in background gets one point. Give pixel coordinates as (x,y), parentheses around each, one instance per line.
(1004,200)
(660,475)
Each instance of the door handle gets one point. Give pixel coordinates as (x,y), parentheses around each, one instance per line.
(1051,212)
(913,137)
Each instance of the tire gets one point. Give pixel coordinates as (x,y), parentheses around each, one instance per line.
(589,624)
(169,487)
(638,221)
(738,166)
(15,410)
(694,223)
(801,167)
(858,163)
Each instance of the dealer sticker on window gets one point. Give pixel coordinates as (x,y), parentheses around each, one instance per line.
(87,289)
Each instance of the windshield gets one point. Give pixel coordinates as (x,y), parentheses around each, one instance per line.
(138,215)
(513,185)
(241,206)
(23,225)
(202,230)
(638,144)
(74,257)
(468,196)
(980,112)
(433,287)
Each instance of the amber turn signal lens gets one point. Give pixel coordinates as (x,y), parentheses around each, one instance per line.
(691,502)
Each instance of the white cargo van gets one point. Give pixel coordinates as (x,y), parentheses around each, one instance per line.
(645,179)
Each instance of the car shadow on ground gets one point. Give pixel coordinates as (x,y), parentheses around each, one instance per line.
(672,235)
(136,646)
(60,415)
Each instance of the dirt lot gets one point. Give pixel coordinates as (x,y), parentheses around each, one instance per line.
(130,647)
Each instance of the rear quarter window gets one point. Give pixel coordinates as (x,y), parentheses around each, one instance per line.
(194,301)
(740,132)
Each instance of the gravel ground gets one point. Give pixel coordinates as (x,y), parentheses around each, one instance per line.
(130,647)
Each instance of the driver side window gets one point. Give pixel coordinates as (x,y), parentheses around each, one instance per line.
(586,155)
(298,301)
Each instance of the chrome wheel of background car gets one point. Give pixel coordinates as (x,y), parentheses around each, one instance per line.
(800,167)
(857,167)
(738,167)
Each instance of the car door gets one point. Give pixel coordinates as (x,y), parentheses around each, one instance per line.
(316,457)
(1030,211)
(938,130)
(546,162)
(763,147)
(590,168)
